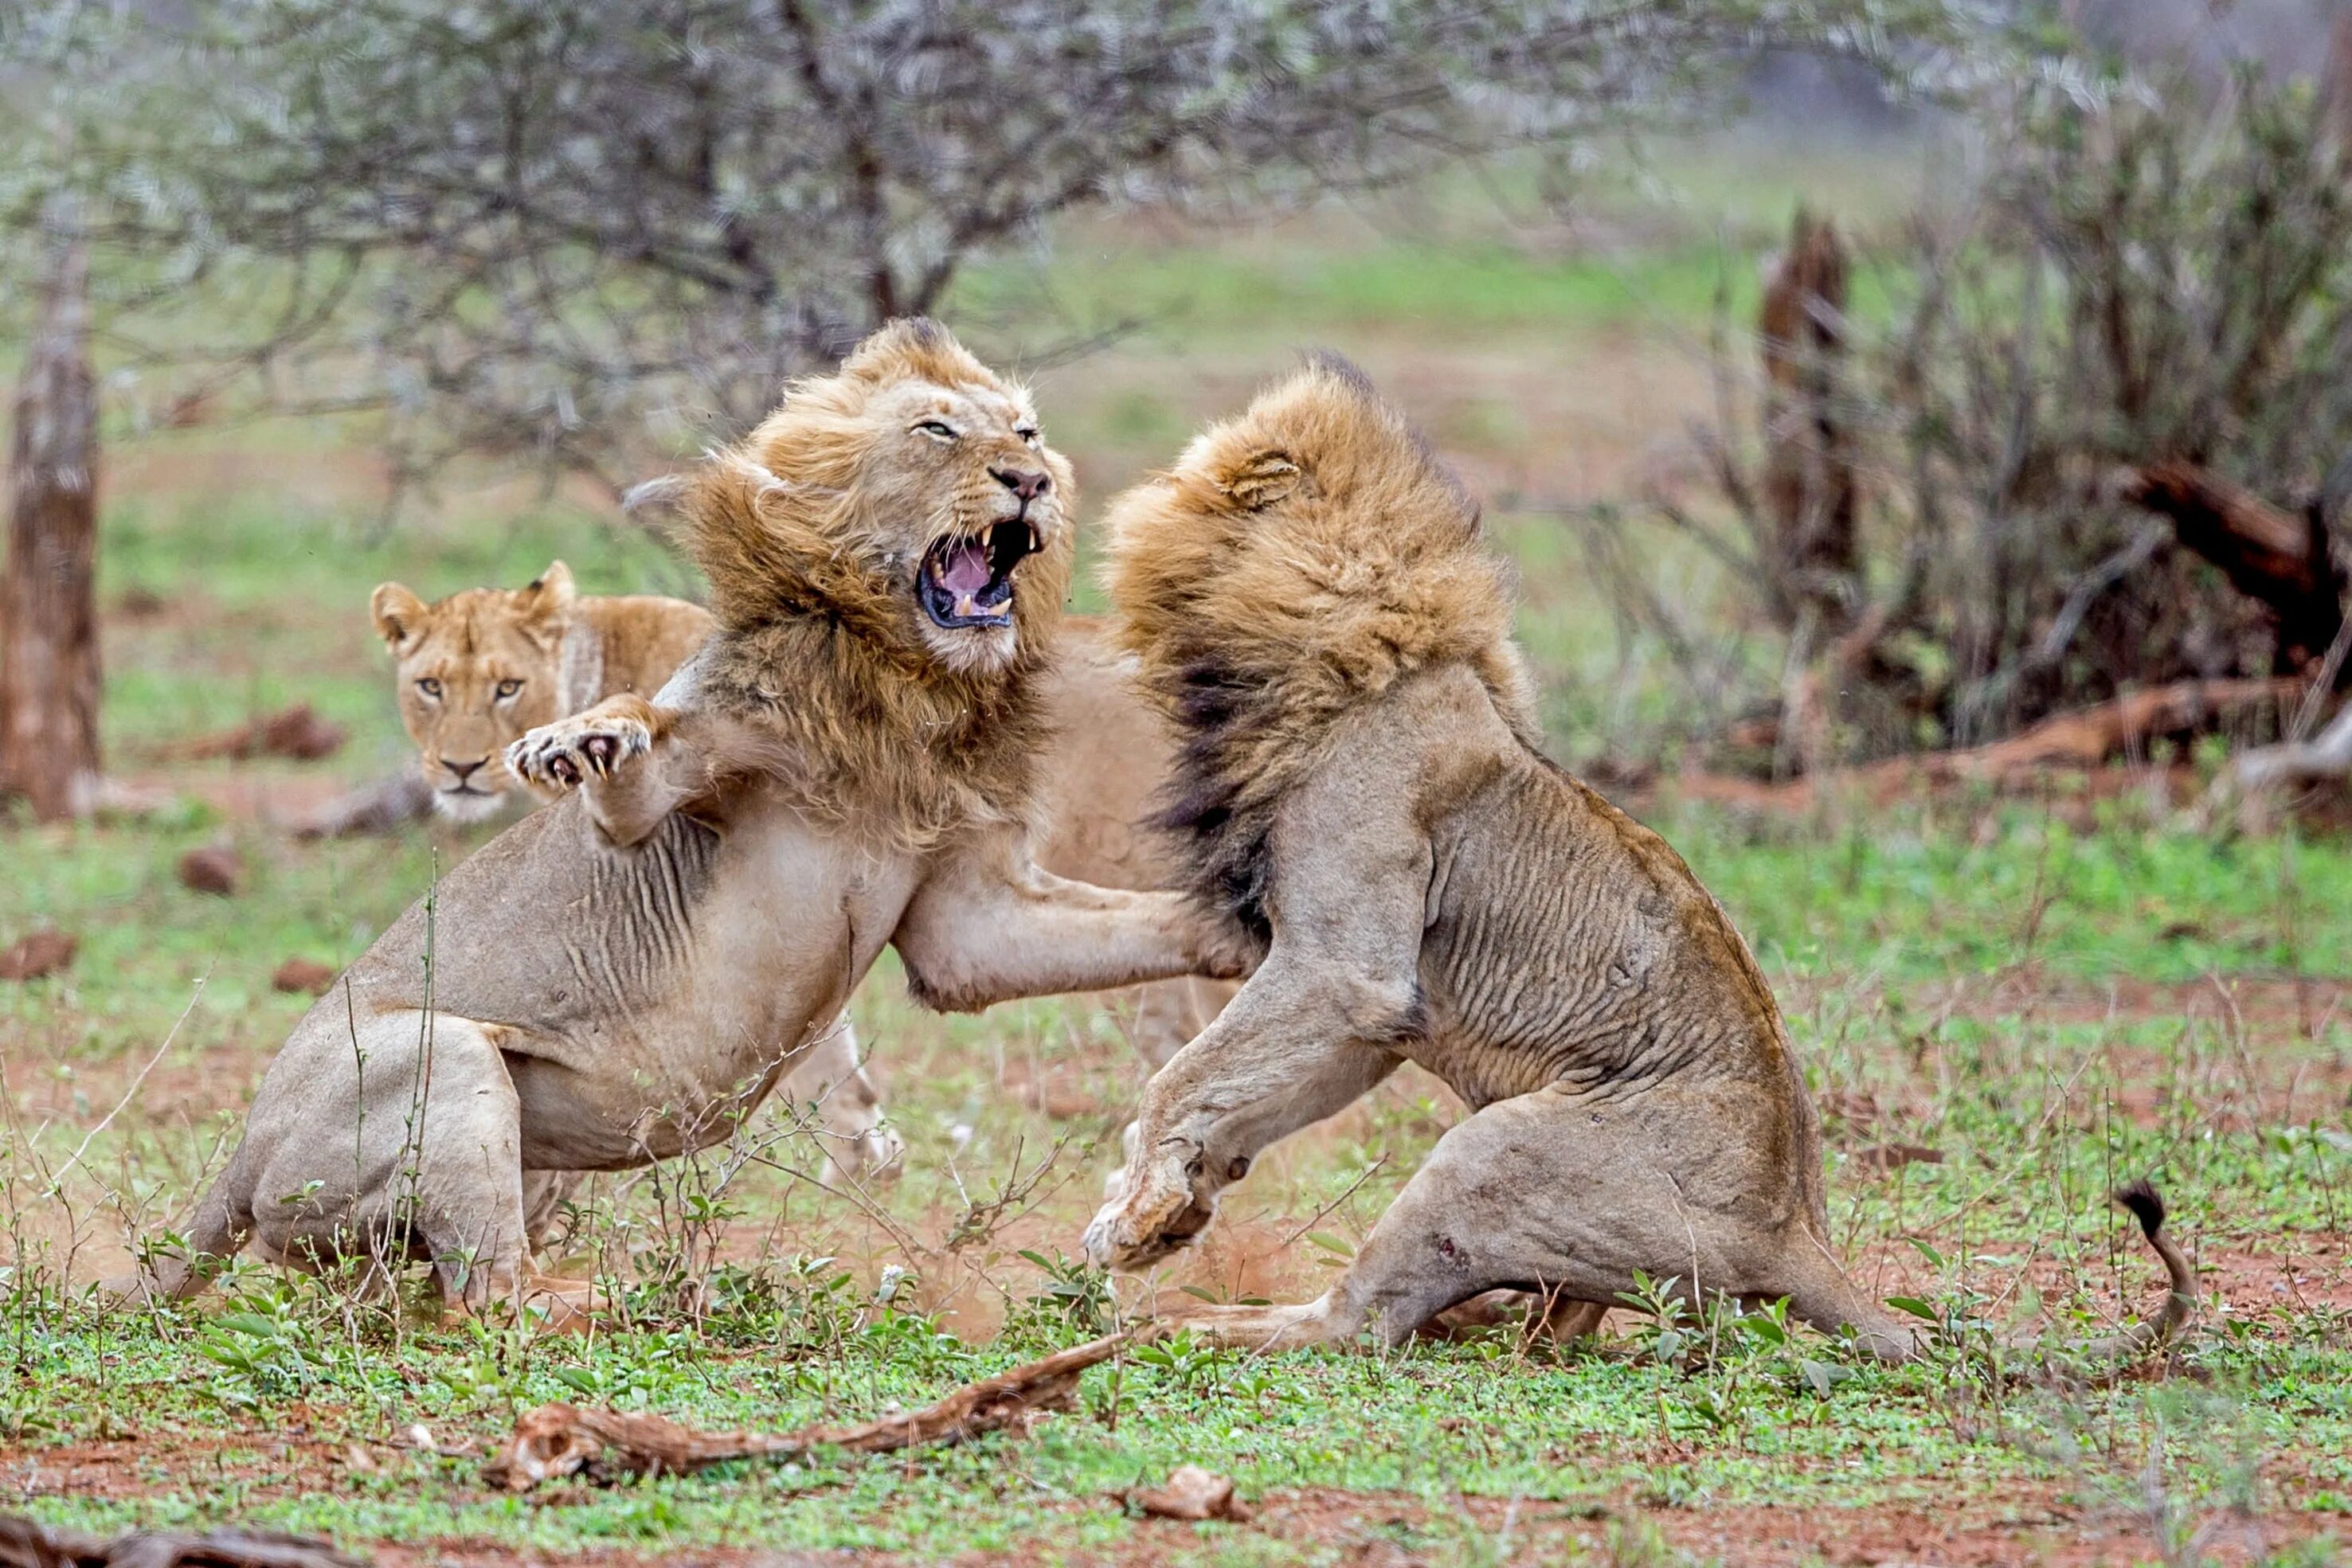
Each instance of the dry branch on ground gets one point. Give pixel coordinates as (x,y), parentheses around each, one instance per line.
(2279,558)
(561,1439)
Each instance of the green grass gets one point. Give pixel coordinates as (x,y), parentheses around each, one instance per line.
(1645,245)
(1428,1428)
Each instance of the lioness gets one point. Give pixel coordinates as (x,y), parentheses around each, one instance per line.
(848,762)
(1360,792)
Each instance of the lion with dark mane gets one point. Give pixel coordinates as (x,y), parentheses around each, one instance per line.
(623,976)
(1360,791)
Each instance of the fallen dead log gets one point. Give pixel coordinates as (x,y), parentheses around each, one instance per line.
(2276,556)
(2088,737)
(2327,755)
(2085,738)
(24,1544)
(559,1440)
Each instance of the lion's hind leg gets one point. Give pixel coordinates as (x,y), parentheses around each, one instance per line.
(1560,1194)
(404,1144)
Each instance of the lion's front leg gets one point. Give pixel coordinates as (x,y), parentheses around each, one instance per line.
(1290,1049)
(987,925)
(617,755)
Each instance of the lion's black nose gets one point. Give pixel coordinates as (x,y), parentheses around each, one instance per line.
(1028,486)
(464,771)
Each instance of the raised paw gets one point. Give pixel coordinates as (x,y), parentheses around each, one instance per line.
(568,752)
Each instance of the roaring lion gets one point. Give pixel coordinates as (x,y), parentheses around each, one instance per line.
(1360,791)
(623,976)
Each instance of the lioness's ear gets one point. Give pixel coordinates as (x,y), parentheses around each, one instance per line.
(1261,479)
(399,614)
(544,604)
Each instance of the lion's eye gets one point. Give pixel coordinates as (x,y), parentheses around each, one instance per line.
(937,429)
(430,687)
(508,689)
(1027,433)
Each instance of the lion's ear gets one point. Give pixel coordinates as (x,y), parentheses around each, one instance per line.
(543,606)
(657,503)
(1261,479)
(399,615)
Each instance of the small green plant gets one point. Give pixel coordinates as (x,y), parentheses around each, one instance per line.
(1075,1296)
(1673,1333)
(266,1349)
(1191,1364)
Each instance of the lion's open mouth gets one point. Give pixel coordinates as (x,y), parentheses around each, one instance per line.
(968,582)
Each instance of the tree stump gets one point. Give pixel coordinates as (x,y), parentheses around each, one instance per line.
(1810,490)
(48,607)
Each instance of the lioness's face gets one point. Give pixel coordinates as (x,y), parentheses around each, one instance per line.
(965,472)
(473,672)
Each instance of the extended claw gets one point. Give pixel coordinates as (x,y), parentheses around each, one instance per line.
(564,754)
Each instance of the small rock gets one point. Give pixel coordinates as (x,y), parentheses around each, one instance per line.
(140,604)
(215,870)
(1193,1493)
(303,976)
(37,955)
(1894,1156)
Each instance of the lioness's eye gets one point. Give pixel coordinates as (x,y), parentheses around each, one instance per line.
(1027,433)
(936,428)
(508,689)
(431,688)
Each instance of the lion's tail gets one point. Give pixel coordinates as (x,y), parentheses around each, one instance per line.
(1829,1302)
(2147,1205)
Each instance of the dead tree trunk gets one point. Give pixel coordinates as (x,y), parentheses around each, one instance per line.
(1809,470)
(2275,557)
(48,611)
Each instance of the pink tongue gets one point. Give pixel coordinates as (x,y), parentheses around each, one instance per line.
(967,571)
